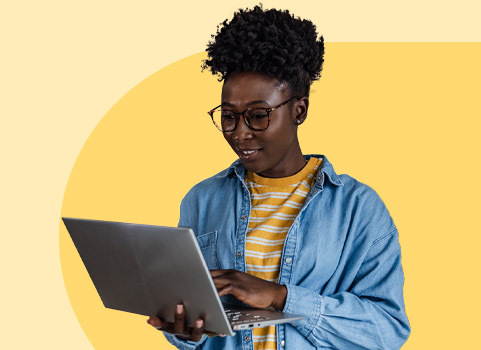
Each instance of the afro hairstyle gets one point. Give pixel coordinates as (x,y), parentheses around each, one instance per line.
(272,42)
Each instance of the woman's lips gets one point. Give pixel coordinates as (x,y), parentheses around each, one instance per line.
(248,153)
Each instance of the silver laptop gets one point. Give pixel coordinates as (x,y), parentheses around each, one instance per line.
(148,270)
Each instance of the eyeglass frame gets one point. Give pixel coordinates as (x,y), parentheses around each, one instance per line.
(238,114)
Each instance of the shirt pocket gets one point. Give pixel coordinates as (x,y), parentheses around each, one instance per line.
(208,246)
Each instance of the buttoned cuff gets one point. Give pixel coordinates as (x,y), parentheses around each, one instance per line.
(304,302)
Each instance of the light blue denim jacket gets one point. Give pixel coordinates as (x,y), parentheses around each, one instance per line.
(341,262)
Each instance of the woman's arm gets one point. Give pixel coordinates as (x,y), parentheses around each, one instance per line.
(370,315)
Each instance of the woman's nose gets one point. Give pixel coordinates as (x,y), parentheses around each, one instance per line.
(242,131)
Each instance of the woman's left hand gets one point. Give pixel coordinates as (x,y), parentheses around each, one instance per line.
(249,289)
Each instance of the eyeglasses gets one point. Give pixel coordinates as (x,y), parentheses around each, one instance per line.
(256,118)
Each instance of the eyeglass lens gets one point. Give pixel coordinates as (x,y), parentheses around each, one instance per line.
(256,119)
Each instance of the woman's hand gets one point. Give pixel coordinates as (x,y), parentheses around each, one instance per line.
(249,289)
(178,328)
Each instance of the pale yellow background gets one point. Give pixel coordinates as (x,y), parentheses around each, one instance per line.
(63,66)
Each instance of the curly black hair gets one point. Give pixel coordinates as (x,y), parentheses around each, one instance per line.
(272,42)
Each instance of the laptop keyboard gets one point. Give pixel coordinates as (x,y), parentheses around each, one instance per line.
(243,316)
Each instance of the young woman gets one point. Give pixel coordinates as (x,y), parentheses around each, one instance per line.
(281,229)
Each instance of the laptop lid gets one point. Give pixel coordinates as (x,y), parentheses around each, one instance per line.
(148,270)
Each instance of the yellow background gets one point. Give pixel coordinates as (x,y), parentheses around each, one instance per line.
(64,66)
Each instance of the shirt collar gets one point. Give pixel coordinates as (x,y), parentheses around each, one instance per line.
(326,168)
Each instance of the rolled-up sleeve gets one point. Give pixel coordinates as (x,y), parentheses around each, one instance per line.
(183,344)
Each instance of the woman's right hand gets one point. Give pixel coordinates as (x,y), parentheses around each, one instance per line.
(179,328)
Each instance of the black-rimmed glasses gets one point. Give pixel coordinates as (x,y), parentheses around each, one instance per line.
(256,118)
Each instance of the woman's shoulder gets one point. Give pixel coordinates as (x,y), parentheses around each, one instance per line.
(362,203)
(357,187)
(356,200)
(342,182)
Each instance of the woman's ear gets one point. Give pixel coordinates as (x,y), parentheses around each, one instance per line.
(300,110)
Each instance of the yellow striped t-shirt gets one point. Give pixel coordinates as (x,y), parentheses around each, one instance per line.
(275,205)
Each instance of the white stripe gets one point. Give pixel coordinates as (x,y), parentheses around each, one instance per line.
(255,197)
(306,184)
(263,336)
(263,257)
(301,192)
(269,228)
(264,229)
(303,182)
(278,216)
(266,208)
(269,337)
(261,230)
(271,195)
(278,194)
(266,244)
(257,219)
(254,184)
(262,254)
(277,241)
(273,217)
(262,266)
(288,203)
(262,270)
(284,216)
(292,204)
(253,241)
(266,195)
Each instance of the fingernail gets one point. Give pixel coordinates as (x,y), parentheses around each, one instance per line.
(199,323)
(222,335)
(179,308)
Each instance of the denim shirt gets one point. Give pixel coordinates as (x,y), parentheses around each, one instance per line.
(341,262)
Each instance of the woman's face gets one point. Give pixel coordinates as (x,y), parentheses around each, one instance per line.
(274,152)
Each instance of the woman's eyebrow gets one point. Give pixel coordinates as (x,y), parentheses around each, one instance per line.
(228,104)
(256,102)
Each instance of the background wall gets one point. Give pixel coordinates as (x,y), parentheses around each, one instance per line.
(64,65)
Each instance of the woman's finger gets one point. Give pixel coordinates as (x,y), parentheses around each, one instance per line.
(215,273)
(198,330)
(155,322)
(179,322)
(224,290)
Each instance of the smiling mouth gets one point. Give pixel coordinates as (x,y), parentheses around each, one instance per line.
(247,154)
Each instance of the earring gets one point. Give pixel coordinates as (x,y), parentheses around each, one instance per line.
(298,121)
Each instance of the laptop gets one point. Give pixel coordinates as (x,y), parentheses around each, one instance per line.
(148,270)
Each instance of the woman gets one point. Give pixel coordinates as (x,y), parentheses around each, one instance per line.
(281,229)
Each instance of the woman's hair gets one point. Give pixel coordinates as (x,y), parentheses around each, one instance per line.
(272,42)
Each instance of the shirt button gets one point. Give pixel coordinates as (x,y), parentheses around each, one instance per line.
(283,343)
(247,338)
(239,254)
(288,260)
(243,217)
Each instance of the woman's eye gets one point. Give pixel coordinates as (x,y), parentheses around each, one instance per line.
(259,115)
(228,116)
